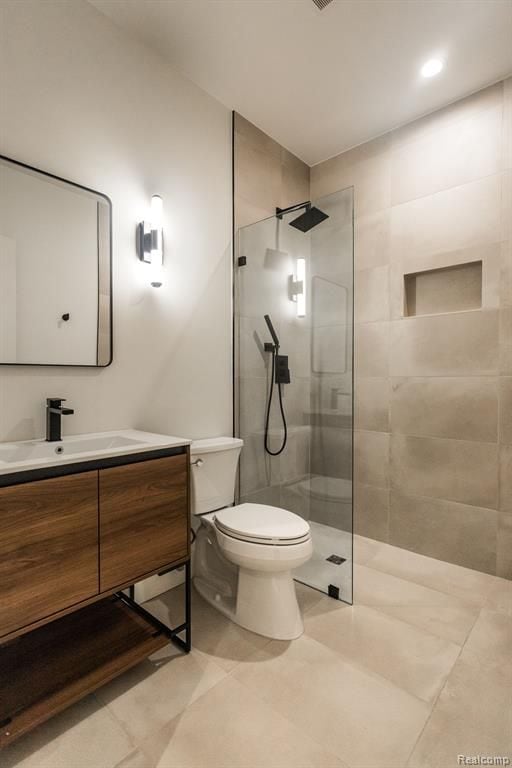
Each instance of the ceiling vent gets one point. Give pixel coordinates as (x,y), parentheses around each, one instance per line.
(321,4)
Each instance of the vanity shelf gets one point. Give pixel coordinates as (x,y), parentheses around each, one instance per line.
(47,670)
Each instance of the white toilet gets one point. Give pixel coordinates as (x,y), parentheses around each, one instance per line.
(245,554)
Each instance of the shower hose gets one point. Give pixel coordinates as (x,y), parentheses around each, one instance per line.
(281,407)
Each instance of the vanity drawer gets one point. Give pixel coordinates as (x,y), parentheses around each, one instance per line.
(48,547)
(144,519)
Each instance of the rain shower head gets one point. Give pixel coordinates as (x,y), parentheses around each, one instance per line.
(307,220)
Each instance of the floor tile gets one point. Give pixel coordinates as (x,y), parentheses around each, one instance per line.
(491,638)
(357,715)
(376,588)
(213,634)
(452,618)
(500,596)
(135,759)
(407,656)
(307,597)
(465,583)
(473,715)
(84,736)
(229,727)
(151,694)
(365,549)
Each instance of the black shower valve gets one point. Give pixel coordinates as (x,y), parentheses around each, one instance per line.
(282,370)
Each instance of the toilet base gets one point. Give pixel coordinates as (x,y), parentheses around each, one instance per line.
(267,604)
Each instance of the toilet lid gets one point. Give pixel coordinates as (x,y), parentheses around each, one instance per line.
(262,524)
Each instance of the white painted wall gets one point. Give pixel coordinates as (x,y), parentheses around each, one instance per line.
(82,100)
(7,298)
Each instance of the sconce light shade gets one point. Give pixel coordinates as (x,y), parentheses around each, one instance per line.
(150,241)
(301,293)
(297,287)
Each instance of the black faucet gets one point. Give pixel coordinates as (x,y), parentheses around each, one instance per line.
(54,411)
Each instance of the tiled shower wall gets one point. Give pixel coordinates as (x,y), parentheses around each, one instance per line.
(433,443)
(268,176)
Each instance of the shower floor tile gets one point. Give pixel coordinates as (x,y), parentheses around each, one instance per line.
(319,572)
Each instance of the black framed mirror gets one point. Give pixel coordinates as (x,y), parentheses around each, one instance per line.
(55,270)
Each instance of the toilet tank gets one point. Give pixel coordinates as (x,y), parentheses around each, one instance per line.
(214,464)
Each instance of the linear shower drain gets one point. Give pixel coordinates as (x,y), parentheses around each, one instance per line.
(336,559)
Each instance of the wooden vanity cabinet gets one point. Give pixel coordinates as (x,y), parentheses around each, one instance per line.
(143,513)
(48,547)
(69,546)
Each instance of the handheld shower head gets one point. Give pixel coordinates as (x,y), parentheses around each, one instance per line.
(271,330)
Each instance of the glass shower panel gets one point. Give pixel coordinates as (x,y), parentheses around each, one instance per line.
(304,282)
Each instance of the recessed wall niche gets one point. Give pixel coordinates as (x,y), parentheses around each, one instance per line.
(447,289)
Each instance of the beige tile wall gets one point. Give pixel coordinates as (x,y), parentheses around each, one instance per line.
(433,449)
(433,400)
(268,176)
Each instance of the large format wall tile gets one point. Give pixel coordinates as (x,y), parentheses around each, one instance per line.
(506,478)
(448,155)
(372,295)
(458,470)
(506,410)
(372,404)
(371,240)
(504,546)
(258,175)
(506,206)
(445,530)
(256,138)
(365,167)
(294,180)
(432,194)
(461,408)
(448,221)
(463,109)
(372,349)
(331,451)
(371,457)
(371,512)
(458,344)
(507,123)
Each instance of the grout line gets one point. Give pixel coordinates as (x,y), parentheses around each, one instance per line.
(441,690)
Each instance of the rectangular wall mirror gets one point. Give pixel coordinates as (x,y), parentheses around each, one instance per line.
(55,270)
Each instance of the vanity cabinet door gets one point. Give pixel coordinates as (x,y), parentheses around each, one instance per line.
(48,547)
(144,519)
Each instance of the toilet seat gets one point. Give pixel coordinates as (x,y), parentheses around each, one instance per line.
(262,524)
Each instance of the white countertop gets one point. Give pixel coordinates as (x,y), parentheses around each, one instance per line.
(38,454)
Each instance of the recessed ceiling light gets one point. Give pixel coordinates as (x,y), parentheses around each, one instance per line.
(431,67)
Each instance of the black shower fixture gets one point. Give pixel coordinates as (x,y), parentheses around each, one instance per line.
(272,332)
(307,220)
(280,374)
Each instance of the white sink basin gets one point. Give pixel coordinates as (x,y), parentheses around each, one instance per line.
(35,454)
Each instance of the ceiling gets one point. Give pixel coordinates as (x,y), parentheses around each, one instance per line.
(320,82)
